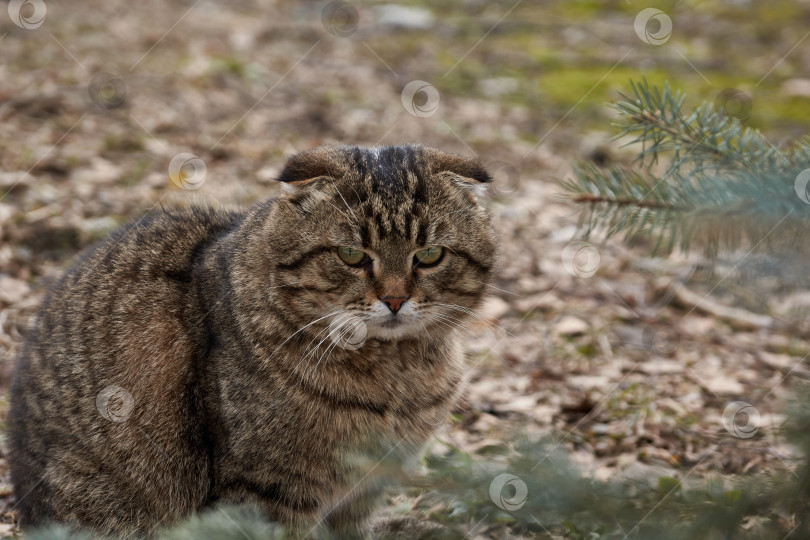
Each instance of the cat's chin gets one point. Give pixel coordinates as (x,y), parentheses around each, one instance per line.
(393,330)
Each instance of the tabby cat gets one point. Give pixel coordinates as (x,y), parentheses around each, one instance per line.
(200,357)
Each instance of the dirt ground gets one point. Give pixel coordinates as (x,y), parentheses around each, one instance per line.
(629,362)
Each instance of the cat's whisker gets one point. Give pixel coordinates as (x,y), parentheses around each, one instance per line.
(302,329)
(316,337)
(326,352)
(449,319)
(347,204)
(499,289)
(472,313)
(335,341)
(341,211)
(331,331)
(445,326)
(443,320)
(334,344)
(310,352)
(425,328)
(454,320)
(461,326)
(443,316)
(452,324)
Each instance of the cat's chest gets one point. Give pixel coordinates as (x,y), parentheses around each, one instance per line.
(401,391)
(392,377)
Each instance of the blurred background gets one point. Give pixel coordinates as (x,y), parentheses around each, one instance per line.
(109,109)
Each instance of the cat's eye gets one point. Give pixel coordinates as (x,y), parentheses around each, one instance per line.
(428,257)
(352,256)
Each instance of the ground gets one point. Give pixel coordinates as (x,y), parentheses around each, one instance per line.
(629,362)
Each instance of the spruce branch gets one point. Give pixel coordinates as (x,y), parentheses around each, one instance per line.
(723,185)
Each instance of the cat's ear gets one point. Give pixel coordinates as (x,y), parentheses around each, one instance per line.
(466,172)
(306,168)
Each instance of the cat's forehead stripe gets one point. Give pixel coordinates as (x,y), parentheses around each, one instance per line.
(393,193)
(390,169)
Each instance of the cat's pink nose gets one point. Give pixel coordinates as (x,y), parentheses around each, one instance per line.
(394,302)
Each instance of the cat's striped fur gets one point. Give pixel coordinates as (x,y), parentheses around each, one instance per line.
(207,334)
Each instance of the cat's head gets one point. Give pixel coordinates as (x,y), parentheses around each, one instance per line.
(381,243)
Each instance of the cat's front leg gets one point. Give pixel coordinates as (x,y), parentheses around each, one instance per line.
(350,517)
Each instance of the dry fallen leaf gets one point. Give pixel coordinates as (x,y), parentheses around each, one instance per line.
(570,326)
(13,290)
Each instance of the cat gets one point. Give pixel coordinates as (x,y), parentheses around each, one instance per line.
(200,356)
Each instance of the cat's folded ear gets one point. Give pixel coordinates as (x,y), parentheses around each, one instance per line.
(466,172)
(306,168)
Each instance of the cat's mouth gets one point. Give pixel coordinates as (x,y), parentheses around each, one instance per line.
(391,322)
(392,327)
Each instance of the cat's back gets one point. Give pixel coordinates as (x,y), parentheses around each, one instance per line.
(108,369)
(127,291)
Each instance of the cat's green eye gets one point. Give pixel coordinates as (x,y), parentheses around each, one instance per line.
(428,256)
(351,256)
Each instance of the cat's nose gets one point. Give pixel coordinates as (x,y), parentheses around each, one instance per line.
(394,302)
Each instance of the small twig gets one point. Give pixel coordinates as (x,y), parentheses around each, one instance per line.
(590,198)
(734,315)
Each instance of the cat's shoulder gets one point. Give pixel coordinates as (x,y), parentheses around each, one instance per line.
(191,222)
(163,241)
